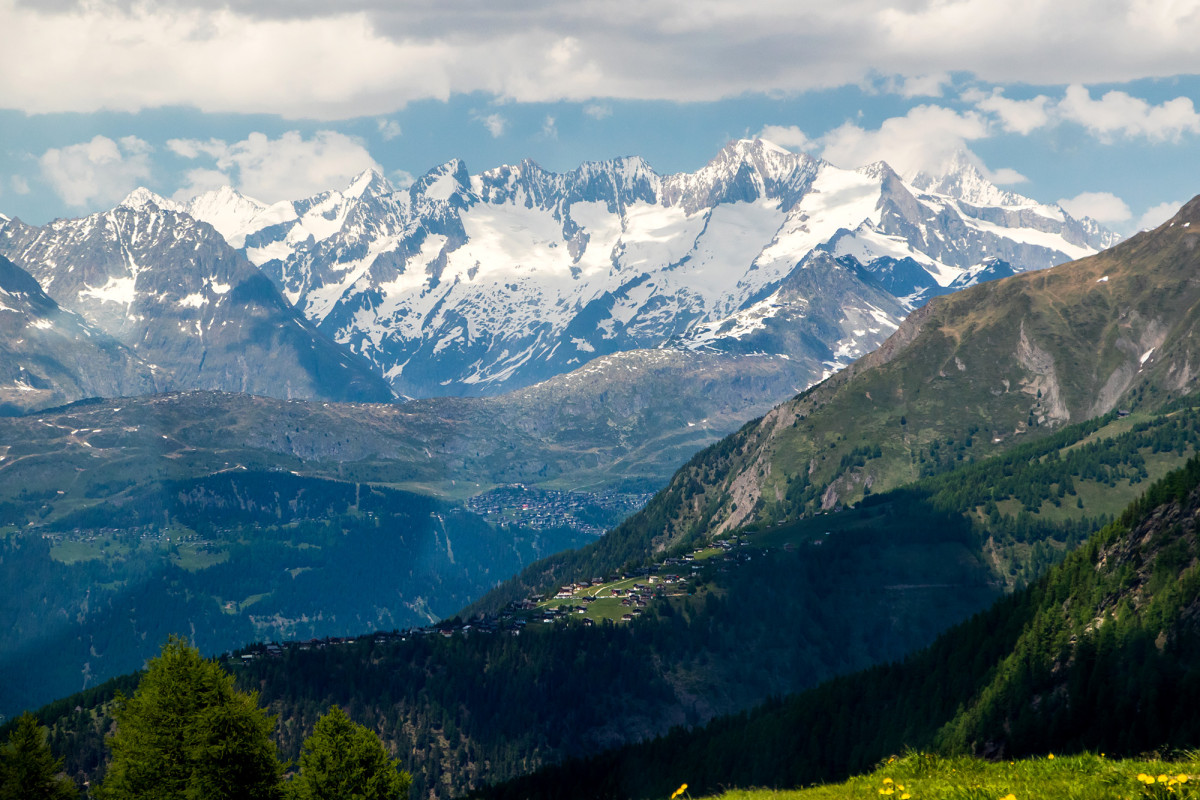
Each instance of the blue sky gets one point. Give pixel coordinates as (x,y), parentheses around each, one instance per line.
(1084,101)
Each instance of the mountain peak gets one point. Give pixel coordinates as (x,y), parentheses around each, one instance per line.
(142,197)
(877,170)
(757,152)
(960,176)
(443,182)
(1189,214)
(368,182)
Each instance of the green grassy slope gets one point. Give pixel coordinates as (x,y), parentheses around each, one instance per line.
(924,776)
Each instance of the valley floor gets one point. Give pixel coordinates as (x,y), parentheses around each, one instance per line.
(921,776)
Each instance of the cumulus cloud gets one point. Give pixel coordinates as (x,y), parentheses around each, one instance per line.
(925,139)
(1103,207)
(1157,215)
(1005,176)
(1120,113)
(597,110)
(495,124)
(789,136)
(388,128)
(98,172)
(402,178)
(199,181)
(368,58)
(19,184)
(1016,116)
(549,128)
(270,170)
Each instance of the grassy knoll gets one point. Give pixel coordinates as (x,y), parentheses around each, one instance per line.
(921,776)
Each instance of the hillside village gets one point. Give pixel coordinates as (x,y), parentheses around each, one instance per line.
(614,599)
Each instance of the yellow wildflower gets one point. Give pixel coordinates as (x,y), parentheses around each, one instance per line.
(887,781)
(1051,756)
(888,790)
(679,791)
(1182,778)
(1009,796)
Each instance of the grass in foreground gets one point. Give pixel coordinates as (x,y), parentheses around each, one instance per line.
(1083,777)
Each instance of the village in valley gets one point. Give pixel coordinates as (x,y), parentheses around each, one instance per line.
(591,513)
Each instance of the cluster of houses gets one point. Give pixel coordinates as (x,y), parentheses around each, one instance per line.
(650,583)
(543,509)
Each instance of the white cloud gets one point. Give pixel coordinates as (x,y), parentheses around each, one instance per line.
(1157,215)
(1005,176)
(930,85)
(549,128)
(389,129)
(270,170)
(1121,113)
(98,172)
(19,184)
(199,181)
(495,124)
(194,148)
(402,178)
(789,136)
(1016,116)
(925,139)
(368,58)
(1103,207)
(597,111)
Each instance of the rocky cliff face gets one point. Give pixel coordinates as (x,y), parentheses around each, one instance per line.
(49,356)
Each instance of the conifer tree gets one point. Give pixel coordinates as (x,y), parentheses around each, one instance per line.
(342,760)
(188,734)
(28,771)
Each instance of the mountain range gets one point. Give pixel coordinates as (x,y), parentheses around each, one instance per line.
(478,284)
(473,284)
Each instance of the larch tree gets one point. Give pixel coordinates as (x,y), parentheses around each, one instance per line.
(188,734)
(28,770)
(343,760)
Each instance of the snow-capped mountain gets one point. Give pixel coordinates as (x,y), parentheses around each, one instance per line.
(466,284)
(173,292)
(49,356)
